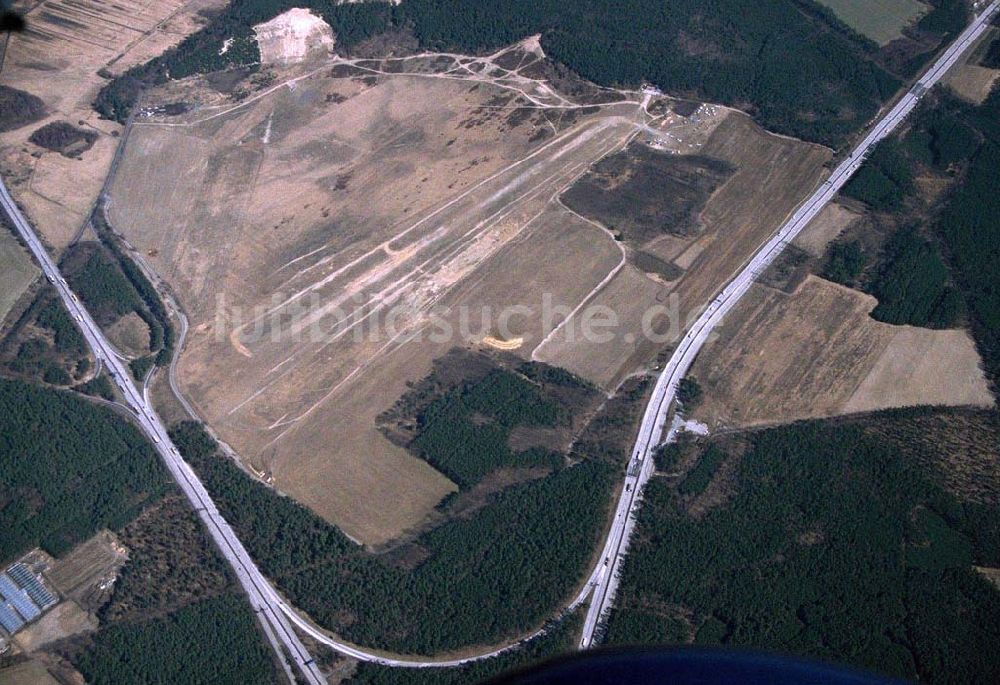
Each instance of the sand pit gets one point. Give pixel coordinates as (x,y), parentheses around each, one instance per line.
(292,36)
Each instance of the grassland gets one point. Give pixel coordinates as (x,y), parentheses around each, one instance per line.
(880,20)
(434,188)
(17,271)
(840,540)
(769,174)
(378,214)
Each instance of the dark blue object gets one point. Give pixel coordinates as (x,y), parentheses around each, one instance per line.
(686,666)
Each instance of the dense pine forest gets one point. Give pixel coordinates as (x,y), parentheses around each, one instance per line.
(67,468)
(841,540)
(474,579)
(747,53)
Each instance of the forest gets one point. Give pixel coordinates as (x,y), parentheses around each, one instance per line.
(67,468)
(208,642)
(840,542)
(473,579)
(969,226)
(940,267)
(101,285)
(688,48)
(464,432)
(913,285)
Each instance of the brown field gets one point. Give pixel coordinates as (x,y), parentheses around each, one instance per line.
(771,175)
(817,353)
(27,673)
(57,59)
(61,621)
(973,82)
(94,563)
(332,203)
(17,271)
(833,220)
(130,334)
(310,231)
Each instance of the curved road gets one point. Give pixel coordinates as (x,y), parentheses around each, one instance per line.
(651,430)
(276,615)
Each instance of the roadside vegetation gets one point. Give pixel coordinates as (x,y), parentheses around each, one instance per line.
(560,638)
(842,540)
(212,641)
(43,344)
(680,50)
(474,579)
(175,614)
(162,337)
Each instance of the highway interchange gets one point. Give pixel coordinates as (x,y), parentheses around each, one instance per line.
(277,616)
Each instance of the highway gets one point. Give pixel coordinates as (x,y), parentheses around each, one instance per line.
(604,578)
(277,617)
(262,596)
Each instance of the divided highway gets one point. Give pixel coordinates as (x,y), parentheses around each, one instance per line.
(605,577)
(276,615)
(263,598)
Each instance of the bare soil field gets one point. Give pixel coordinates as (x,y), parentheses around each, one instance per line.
(309,214)
(89,569)
(130,334)
(973,82)
(57,59)
(921,366)
(833,220)
(817,353)
(27,673)
(291,36)
(338,230)
(60,622)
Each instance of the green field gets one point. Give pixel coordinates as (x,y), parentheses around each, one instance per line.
(880,20)
(17,271)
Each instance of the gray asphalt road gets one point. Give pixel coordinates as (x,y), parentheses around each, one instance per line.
(262,596)
(277,615)
(605,578)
